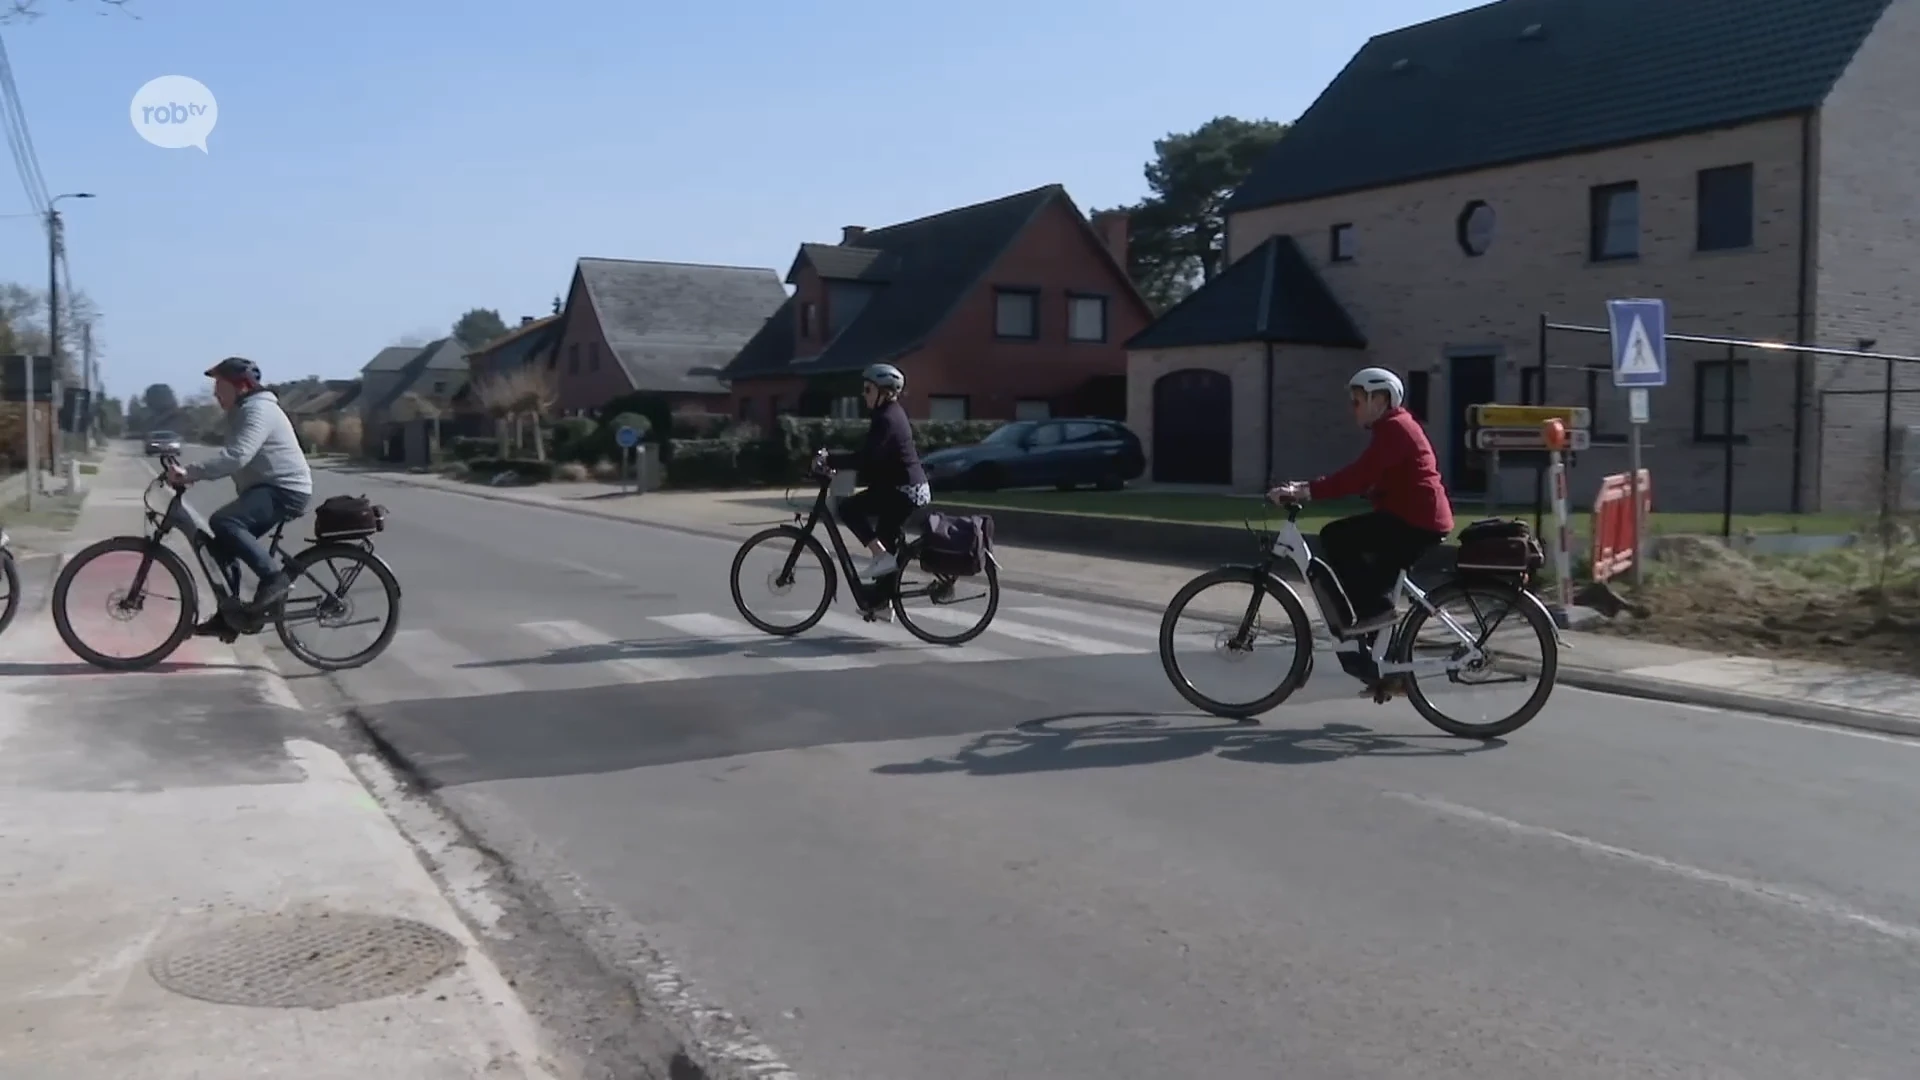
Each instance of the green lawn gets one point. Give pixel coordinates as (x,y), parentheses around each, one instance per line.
(1232,510)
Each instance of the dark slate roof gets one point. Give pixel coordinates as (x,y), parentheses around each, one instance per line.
(392,358)
(444,355)
(771,350)
(931,265)
(517,348)
(1477,90)
(663,320)
(1272,294)
(834,262)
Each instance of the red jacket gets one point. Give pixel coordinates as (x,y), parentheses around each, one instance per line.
(1397,473)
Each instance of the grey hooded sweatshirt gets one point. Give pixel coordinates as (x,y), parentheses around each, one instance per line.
(261,448)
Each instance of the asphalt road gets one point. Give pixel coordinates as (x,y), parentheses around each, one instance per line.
(1042,864)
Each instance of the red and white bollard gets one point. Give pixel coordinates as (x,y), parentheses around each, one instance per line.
(1556,438)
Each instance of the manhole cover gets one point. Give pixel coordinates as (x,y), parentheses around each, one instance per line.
(306,961)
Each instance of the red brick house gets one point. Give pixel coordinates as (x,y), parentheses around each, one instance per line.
(656,327)
(1014,308)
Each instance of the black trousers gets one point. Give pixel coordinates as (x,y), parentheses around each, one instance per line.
(1368,551)
(876,512)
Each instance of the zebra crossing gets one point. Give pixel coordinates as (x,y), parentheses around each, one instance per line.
(466,660)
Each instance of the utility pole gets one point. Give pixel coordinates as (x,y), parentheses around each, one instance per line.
(53,335)
(83,418)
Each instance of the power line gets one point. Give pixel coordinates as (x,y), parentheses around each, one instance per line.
(20,138)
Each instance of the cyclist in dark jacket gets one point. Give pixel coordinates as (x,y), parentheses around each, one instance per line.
(889,465)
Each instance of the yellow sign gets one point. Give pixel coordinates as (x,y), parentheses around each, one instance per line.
(1520,416)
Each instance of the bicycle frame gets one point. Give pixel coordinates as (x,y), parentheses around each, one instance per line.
(1290,544)
(866,597)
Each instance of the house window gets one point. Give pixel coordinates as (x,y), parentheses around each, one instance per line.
(1710,400)
(809,318)
(746,408)
(1016,314)
(593,356)
(573,359)
(1614,222)
(947,408)
(1418,386)
(1032,409)
(1086,318)
(439,387)
(1591,387)
(846,408)
(1724,203)
(1340,243)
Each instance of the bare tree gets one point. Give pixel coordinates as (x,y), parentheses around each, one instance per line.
(20,11)
(528,392)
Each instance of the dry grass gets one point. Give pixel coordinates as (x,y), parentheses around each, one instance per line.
(317,434)
(606,471)
(347,434)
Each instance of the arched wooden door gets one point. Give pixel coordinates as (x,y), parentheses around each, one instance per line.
(1193,428)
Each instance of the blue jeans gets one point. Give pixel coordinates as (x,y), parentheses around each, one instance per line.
(239,525)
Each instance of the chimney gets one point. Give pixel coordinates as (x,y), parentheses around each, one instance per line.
(1111,227)
(525,319)
(851,234)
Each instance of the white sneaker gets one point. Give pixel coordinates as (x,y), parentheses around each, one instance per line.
(878,567)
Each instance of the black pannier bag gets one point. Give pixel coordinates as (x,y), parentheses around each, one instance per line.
(1500,546)
(348,517)
(956,546)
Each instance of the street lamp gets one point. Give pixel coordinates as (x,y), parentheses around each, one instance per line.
(53,333)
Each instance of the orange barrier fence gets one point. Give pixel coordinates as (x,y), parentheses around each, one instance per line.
(1614,523)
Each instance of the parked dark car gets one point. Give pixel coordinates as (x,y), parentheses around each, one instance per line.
(162,442)
(1033,453)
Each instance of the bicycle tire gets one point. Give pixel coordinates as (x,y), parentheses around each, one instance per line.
(993,608)
(296,570)
(10,575)
(1276,590)
(1519,601)
(808,543)
(161,555)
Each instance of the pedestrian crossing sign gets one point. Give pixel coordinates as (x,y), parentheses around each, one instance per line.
(1639,331)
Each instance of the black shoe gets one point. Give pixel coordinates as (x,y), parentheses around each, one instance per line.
(1372,621)
(271,591)
(214,627)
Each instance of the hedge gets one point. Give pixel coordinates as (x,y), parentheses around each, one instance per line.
(748,461)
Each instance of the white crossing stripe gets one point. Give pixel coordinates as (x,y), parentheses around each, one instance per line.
(567,634)
(451,670)
(1143,625)
(1038,635)
(787,652)
(886,634)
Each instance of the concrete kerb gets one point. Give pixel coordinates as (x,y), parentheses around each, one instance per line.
(1598,680)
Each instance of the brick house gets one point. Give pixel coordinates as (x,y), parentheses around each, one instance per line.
(1014,308)
(399,388)
(531,344)
(1751,164)
(657,327)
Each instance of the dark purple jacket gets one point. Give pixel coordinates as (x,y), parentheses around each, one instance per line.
(888,459)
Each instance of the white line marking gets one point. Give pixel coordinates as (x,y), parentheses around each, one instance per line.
(1814,726)
(799,655)
(1038,635)
(1811,905)
(567,634)
(594,571)
(440,663)
(1142,625)
(887,634)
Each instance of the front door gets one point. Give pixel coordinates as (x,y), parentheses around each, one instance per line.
(1193,428)
(1471,381)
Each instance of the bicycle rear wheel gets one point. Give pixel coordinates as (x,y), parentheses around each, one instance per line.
(944,593)
(1483,609)
(1217,625)
(321,579)
(146,558)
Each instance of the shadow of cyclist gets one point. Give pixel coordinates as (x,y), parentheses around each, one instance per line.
(1118,740)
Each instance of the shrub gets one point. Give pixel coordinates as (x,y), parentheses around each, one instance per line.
(801,436)
(606,470)
(455,470)
(572,472)
(530,471)
(574,439)
(708,463)
(691,425)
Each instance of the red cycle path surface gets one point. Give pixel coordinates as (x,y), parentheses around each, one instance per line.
(91,600)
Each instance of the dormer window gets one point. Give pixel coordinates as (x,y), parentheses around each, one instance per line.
(809,318)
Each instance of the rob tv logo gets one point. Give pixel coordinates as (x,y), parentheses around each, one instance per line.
(174,112)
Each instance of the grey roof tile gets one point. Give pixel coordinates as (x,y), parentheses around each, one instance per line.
(1272,294)
(1476,91)
(392,358)
(663,320)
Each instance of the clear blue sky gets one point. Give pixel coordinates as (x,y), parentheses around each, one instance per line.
(380,166)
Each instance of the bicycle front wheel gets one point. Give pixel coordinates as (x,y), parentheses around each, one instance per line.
(791,564)
(123,575)
(322,596)
(1504,690)
(1227,621)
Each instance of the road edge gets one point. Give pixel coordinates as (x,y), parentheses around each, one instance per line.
(1600,681)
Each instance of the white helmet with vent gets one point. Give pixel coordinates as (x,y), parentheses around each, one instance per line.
(1376,380)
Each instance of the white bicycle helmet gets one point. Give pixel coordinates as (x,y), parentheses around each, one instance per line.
(1375,380)
(885,376)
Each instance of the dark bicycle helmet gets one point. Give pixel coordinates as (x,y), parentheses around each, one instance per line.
(235,369)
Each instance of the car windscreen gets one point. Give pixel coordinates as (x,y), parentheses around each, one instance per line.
(163,436)
(1010,433)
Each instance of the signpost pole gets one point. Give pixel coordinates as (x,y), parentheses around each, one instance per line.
(1637,415)
(1639,332)
(1493,483)
(1556,439)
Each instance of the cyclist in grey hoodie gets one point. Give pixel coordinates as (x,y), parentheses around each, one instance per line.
(269,468)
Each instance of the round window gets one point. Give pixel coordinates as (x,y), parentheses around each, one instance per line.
(1475,227)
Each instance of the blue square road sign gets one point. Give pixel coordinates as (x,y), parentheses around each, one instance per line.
(1639,330)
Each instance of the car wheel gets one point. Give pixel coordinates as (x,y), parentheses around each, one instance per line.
(1110,481)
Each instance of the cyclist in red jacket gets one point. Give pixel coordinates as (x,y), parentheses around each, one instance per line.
(1400,476)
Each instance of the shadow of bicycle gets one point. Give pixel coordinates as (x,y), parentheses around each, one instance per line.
(1108,740)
